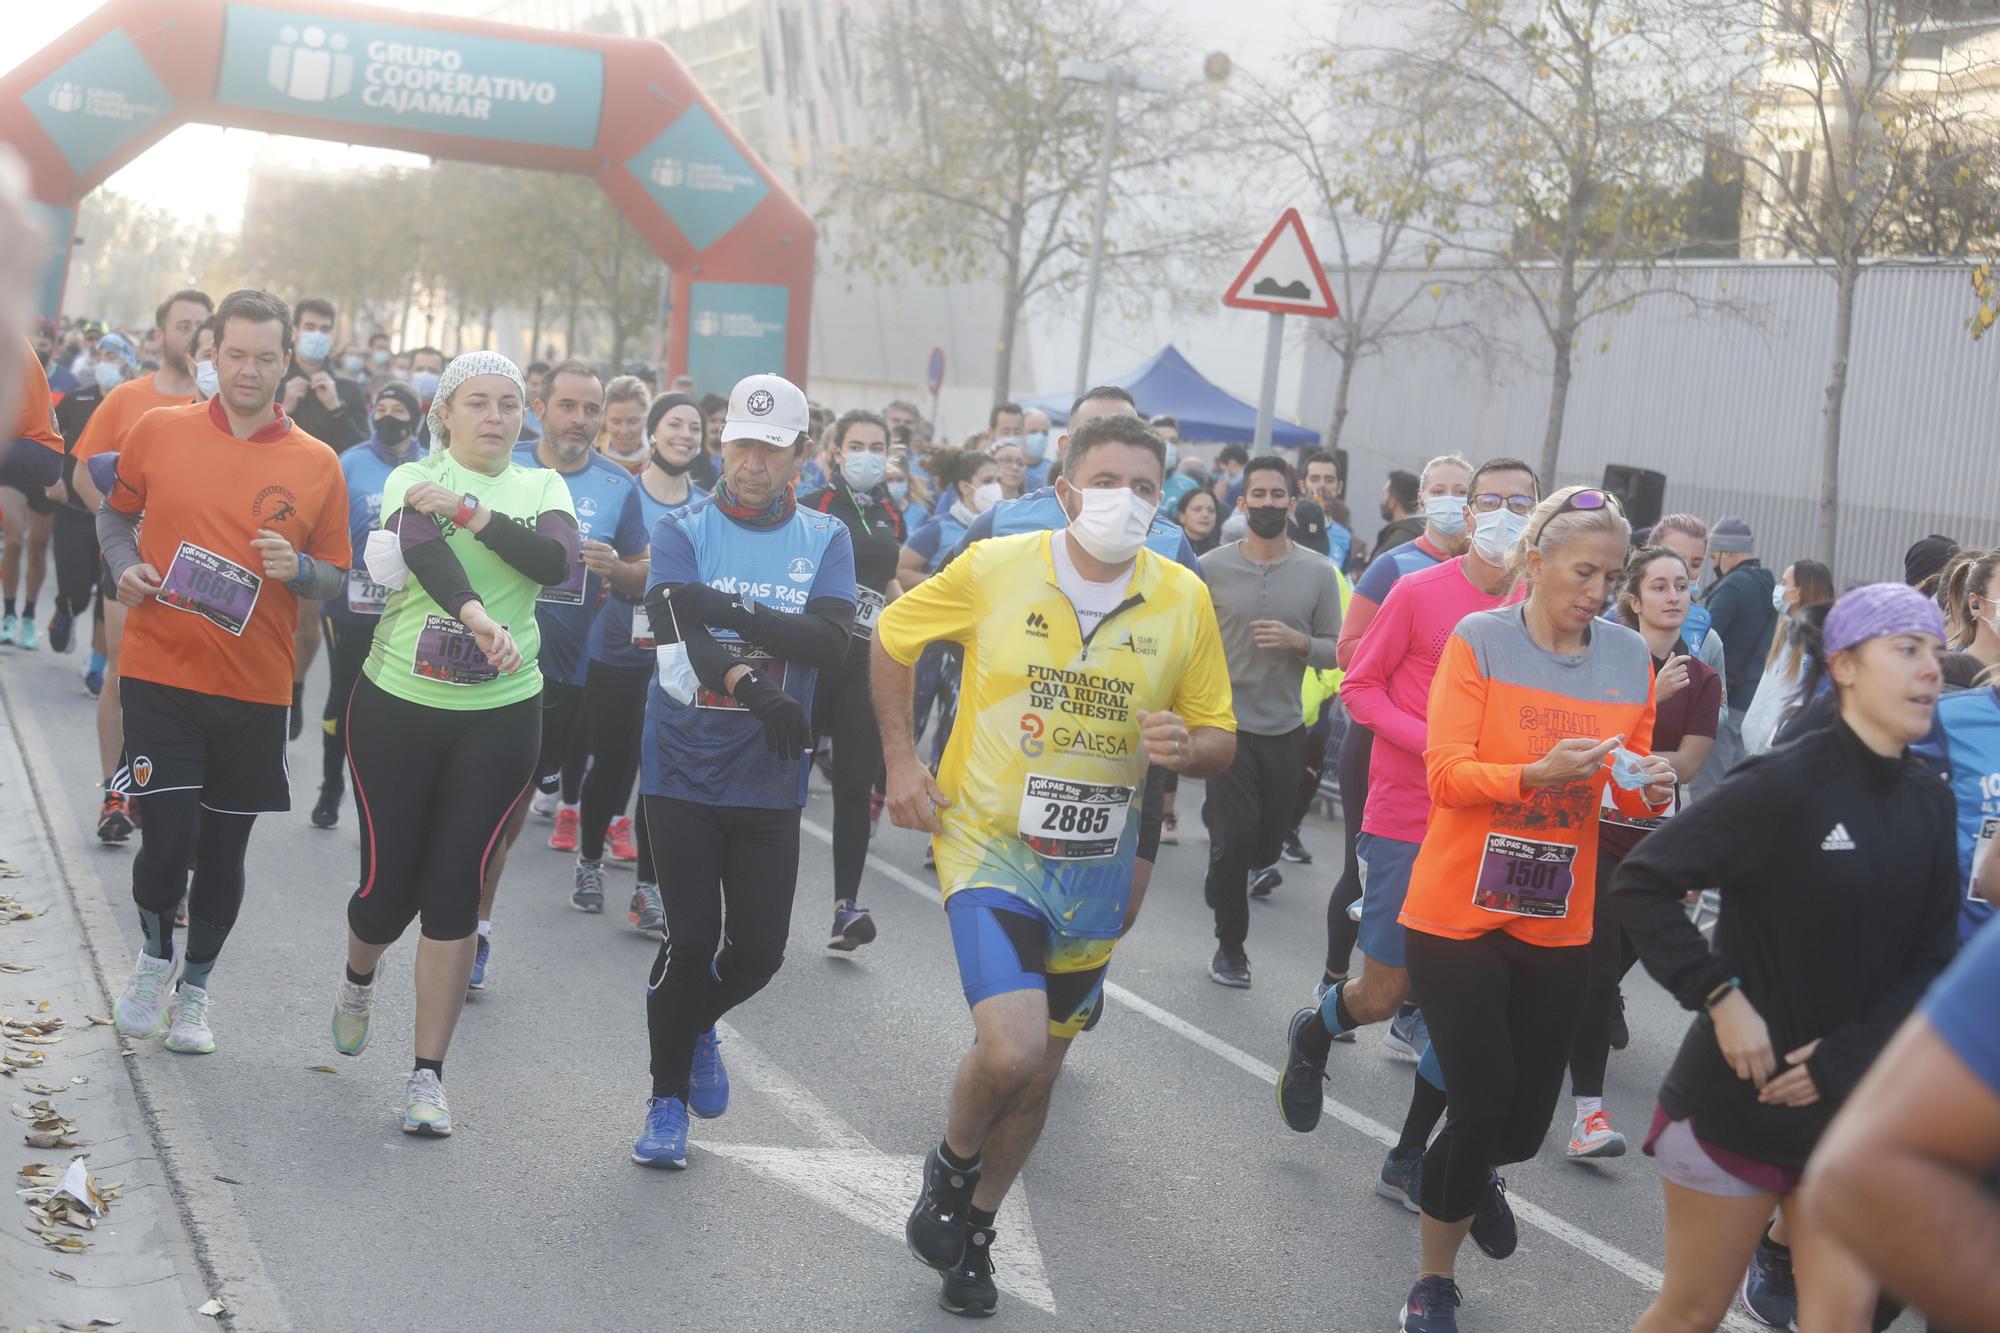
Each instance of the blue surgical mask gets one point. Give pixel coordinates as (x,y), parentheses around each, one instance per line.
(1173,456)
(352,363)
(315,344)
(1446,513)
(899,491)
(864,471)
(109,375)
(1035,444)
(1494,534)
(425,382)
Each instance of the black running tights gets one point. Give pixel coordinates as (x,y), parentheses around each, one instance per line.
(614,722)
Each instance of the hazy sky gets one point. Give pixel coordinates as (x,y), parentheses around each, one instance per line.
(202,170)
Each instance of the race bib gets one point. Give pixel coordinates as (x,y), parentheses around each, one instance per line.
(365,597)
(567,593)
(1982,847)
(642,630)
(447,653)
(868,606)
(203,582)
(1063,820)
(771,668)
(1523,877)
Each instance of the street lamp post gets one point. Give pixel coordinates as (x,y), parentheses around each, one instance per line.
(1112,79)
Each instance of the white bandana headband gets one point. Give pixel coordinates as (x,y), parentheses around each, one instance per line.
(458,372)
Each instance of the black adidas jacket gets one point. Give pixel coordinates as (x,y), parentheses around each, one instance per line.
(1839,877)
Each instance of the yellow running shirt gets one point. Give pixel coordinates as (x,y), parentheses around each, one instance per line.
(1045,760)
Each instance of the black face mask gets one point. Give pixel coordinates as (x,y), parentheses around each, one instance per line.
(393,431)
(1266,521)
(671,469)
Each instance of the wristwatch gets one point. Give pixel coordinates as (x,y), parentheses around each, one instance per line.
(468,505)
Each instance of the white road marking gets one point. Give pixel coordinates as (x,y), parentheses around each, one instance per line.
(1533,1214)
(854,1179)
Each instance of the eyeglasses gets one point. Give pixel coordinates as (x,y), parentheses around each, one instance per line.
(1588,501)
(1486,502)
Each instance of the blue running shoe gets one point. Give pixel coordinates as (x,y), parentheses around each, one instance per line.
(1402,1179)
(1407,1034)
(1493,1229)
(708,1081)
(664,1143)
(477,981)
(1432,1307)
(93,681)
(1770,1292)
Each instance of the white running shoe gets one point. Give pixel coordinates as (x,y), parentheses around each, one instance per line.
(424,1111)
(543,804)
(1593,1136)
(142,1010)
(189,1032)
(350,1016)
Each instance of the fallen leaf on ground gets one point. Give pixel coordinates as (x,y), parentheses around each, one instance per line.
(228,1180)
(17,967)
(46,1089)
(61,1276)
(211,1308)
(98,1020)
(322,1069)
(43,1007)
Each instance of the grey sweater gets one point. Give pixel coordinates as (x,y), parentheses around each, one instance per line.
(1298,591)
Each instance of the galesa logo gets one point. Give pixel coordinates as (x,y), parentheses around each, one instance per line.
(668,172)
(311,65)
(800,570)
(66,97)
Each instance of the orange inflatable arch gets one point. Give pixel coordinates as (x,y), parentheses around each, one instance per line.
(622,111)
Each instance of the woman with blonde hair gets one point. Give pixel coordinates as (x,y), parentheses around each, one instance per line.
(623,439)
(1969,591)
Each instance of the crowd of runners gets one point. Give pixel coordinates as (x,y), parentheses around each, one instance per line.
(645,613)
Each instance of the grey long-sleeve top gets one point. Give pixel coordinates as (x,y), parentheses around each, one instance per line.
(1300,591)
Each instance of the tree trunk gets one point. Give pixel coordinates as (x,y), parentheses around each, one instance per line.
(1836,395)
(491,303)
(569,334)
(1010,316)
(535,330)
(1563,343)
(1349,354)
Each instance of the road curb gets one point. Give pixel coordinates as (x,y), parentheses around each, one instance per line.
(175,1239)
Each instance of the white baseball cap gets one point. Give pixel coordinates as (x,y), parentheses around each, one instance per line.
(769,408)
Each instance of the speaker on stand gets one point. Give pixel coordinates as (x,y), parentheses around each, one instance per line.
(1641,491)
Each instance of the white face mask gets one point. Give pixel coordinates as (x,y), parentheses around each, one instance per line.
(1778,599)
(1446,513)
(206,380)
(1494,534)
(1113,523)
(985,497)
(864,471)
(109,375)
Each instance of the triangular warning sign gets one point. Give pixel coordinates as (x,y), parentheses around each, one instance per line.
(1284,276)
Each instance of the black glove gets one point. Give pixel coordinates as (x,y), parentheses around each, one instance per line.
(784,718)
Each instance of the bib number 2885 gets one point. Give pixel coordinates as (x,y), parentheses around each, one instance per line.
(1065,820)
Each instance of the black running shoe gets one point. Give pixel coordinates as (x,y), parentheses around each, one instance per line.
(62,629)
(1621,1036)
(327,813)
(1302,1080)
(1263,881)
(1295,851)
(1230,967)
(1493,1229)
(936,1231)
(968,1284)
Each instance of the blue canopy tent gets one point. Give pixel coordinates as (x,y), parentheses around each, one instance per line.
(1168,384)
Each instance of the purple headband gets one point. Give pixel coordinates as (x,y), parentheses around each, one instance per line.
(1877,610)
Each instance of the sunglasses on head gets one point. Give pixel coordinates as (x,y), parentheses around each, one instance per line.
(1587,501)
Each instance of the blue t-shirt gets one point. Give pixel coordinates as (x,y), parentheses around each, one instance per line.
(611,633)
(606,499)
(1339,543)
(1962,1002)
(1970,723)
(712,751)
(1041,511)
(1037,475)
(367,470)
(936,540)
(1386,569)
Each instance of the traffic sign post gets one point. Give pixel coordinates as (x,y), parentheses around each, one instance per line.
(935,378)
(1282,278)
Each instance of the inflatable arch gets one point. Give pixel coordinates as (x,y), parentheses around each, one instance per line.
(622,111)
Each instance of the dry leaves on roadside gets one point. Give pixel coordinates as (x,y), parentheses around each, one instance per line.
(12,909)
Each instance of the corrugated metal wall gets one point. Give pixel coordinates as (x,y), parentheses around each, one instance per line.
(1727,405)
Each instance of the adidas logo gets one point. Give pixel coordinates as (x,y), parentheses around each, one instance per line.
(1037,625)
(1837,841)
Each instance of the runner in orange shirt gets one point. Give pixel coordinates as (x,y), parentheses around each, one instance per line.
(31,457)
(245,514)
(172,385)
(1535,708)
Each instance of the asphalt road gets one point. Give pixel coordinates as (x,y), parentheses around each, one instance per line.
(1165,1194)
